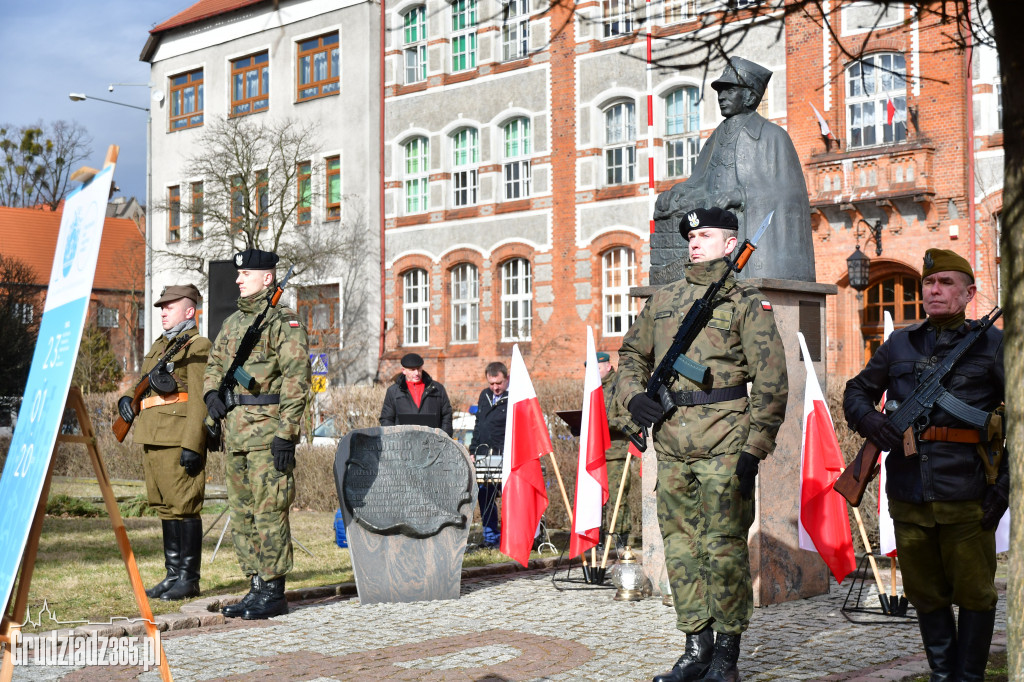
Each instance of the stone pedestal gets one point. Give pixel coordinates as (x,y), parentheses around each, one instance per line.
(780,569)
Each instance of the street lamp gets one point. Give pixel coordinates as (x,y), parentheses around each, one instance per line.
(79,97)
(858,265)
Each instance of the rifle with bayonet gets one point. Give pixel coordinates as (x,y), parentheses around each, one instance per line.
(913,415)
(120,426)
(236,374)
(675,363)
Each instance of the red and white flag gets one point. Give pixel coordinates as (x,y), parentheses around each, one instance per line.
(592,470)
(822,123)
(890,111)
(524,497)
(635,451)
(886,532)
(823,523)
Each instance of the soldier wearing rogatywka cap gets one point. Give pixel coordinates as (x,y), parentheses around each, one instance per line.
(944,508)
(170,429)
(260,432)
(710,445)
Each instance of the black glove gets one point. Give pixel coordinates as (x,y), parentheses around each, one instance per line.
(877,428)
(746,471)
(124,408)
(645,411)
(997,500)
(214,405)
(284,454)
(192,461)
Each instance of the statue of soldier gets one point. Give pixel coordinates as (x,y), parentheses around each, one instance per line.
(749,167)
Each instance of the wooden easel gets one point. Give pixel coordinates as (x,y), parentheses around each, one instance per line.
(10,623)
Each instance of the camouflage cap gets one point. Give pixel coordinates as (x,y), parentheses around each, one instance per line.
(944,260)
(176,291)
(254,259)
(740,71)
(707,217)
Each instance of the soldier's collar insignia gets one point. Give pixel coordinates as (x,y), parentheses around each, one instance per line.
(693,219)
(929,262)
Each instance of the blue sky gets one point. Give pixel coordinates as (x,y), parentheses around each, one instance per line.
(54,47)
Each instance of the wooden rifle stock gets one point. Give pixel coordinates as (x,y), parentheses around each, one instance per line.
(121,427)
(854,480)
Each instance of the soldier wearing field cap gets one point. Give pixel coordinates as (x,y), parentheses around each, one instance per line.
(169,427)
(709,446)
(260,432)
(944,509)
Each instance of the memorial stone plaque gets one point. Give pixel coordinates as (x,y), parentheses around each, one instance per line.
(407,496)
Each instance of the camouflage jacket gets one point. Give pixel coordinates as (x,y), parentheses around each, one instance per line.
(619,420)
(741,345)
(280,365)
(179,424)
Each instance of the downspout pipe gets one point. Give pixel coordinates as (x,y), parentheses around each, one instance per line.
(969,180)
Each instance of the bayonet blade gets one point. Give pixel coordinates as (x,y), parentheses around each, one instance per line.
(764,228)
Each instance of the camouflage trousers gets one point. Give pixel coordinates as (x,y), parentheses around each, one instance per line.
(704,523)
(624,522)
(259,497)
(171,492)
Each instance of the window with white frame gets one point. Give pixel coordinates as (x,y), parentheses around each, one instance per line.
(999,106)
(516,162)
(463,35)
(516,300)
(415,308)
(416,176)
(106,317)
(682,131)
(618,275)
(618,17)
(414,44)
(465,159)
(515,29)
(876,100)
(465,303)
(620,143)
(676,11)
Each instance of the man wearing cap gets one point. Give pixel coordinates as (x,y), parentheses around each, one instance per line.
(749,166)
(489,440)
(617,455)
(260,431)
(944,512)
(710,444)
(415,398)
(170,429)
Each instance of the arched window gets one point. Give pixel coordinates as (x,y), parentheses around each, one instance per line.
(900,296)
(414,44)
(415,308)
(465,303)
(876,100)
(465,159)
(620,143)
(516,300)
(416,175)
(463,35)
(618,274)
(516,162)
(682,131)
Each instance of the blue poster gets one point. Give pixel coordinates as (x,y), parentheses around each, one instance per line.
(53,363)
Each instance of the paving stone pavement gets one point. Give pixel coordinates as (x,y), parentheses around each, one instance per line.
(522,627)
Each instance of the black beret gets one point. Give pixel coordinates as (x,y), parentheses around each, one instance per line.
(707,217)
(412,361)
(254,259)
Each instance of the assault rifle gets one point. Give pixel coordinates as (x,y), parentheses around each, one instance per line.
(675,362)
(914,413)
(236,374)
(120,426)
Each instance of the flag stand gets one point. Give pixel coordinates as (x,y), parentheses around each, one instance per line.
(890,605)
(615,513)
(903,611)
(587,576)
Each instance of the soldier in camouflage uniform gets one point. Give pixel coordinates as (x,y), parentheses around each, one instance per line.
(617,456)
(260,432)
(709,446)
(170,429)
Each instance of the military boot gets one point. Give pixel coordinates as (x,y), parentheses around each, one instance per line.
(974,637)
(694,662)
(938,632)
(237,609)
(172,549)
(191,558)
(269,602)
(723,662)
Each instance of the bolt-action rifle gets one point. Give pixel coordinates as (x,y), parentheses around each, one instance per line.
(236,374)
(675,363)
(120,426)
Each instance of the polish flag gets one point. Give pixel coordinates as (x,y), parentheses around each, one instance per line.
(592,470)
(524,497)
(822,123)
(822,523)
(886,532)
(890,111)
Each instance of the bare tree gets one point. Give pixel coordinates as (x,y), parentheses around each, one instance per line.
(20,310)
(38,161)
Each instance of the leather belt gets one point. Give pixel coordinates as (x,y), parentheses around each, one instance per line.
(169,399)
(949,434)
(715,395)
(246,399)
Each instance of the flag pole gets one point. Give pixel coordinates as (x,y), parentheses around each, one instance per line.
(565,498)
(871,559)
(615,513)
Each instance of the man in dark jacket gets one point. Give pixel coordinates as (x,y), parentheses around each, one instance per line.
(944,511)
(415,398)
(489,440)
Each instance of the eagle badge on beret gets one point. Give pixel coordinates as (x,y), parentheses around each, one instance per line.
(693,219)
(238,260)
(929,262)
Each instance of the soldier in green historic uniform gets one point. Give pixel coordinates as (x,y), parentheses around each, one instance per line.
(710,444)
(170,429)
(260,431)
(617,456)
